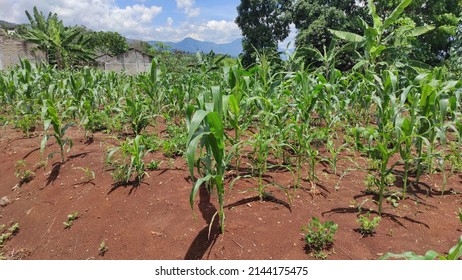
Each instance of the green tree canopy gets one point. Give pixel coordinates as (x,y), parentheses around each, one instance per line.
(443,14)
(263,24)
(108,42)
(313,18)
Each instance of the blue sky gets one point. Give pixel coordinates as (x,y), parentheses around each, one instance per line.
(162,20)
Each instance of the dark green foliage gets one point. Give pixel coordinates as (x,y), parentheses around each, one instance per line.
(314,18)
(434,46)
(108,43)
(263,24)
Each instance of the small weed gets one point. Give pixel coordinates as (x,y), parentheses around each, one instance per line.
(26,123)
(11,231)
(174,144)
(460,215)
(394,200)
(70,219)
(366,225)
(89,174)
(41,164)
(102,248)
(153,165)
(127,160)
(24,175)
(319,236)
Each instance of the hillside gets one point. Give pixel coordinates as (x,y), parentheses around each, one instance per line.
(191,45)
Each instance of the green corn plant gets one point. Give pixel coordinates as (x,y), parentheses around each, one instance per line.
(234,119)
(334,154)
(454,254)
(303,152)
(150,84)
(404,130)
(51,118)
(206,131)
(378,38)
(128,160)
(385,143)
(137,113)
(261,145)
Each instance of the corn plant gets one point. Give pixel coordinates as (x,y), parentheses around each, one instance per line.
(385,142)
(128,160)
(261,144)
(51,117)
(206,131)
(334,154)
(137,113)
(375,40)
(70,219)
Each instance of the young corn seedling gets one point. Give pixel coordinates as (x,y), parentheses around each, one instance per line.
(128,160)
(24,175)
(137,113)
(262,145)
(334,154)
(50,117)
(102,248)
(206,131)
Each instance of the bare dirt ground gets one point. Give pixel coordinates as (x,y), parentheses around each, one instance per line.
(154,220)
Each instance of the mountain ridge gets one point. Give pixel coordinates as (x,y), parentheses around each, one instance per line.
(191,45)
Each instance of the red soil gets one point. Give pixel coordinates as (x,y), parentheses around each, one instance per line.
(154,220)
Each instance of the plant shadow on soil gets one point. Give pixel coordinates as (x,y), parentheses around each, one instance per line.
(54,173)
(394,218)
(134,184)
(208,236)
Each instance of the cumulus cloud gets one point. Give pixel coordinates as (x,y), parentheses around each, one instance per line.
(97,15)
(289,42)
(215,31)
(134,21)
(187,6)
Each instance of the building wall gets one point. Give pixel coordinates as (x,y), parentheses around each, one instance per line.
(132,62)
(12,50)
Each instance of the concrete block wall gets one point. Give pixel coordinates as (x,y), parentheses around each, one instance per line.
(12,50)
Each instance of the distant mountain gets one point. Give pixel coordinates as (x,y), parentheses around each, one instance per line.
(191,45)
(7,25)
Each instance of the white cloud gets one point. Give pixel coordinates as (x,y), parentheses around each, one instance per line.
(98,15)
(169,21)
(289,42)
(134,21)
(187,6)
(214,31)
